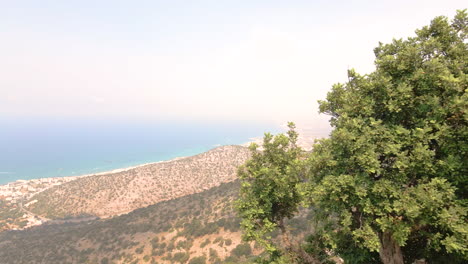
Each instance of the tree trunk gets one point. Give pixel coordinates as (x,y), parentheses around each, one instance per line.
(390,251)
(295,253)
(285,236)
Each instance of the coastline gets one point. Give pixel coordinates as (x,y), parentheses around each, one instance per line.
(17,196)
(74,177)
(305,140)
(13,194)
(16,191)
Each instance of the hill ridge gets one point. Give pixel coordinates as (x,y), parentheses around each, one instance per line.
(106,195)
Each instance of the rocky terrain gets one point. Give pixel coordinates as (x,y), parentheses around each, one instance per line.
(117,193)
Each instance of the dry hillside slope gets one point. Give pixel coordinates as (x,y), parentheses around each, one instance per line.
(172,231)
(200,228)
(122,192)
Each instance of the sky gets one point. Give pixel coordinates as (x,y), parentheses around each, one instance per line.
(191,60)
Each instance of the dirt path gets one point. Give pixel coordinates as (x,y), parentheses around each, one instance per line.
(43,219)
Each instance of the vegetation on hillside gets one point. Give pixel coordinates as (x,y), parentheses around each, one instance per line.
(116,193)
(198,228)
(168,232)
(390,184)
(10,216)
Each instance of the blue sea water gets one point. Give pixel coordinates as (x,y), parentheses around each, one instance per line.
(31,149)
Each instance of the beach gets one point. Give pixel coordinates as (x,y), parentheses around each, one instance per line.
(25,189)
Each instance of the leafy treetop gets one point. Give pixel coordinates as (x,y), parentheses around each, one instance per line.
(394,170)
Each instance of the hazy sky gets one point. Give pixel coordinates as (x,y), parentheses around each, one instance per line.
(191,60)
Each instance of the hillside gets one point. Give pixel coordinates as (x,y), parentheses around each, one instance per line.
(199,227)
(117,193)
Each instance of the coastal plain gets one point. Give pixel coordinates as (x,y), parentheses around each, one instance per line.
(108,194)
(165,212)
(176,211)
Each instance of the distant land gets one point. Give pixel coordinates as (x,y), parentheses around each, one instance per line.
(197,228)
(176,211)
(108,194)
(26,203)
(33,149)
(201,227)
(46,149)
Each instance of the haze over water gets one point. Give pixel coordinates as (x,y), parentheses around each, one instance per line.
(267,62)
(45,148)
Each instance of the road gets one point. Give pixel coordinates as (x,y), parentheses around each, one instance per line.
(43,219)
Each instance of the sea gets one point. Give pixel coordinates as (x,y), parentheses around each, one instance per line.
(38,148)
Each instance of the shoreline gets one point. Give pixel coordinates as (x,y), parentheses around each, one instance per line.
(258,140)
(19,195)
(74,177)
(13,194)
(126,168)
(112,171)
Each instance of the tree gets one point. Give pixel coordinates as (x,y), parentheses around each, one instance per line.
(269,193)
(393,174)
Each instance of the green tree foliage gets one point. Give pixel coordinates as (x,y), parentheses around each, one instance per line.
(268,193)
(390,183)
(393,174)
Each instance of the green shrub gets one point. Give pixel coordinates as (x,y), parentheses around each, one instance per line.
(206,242)
(198,260)
(213,255)
(243,249)
(139,250)
(181,257)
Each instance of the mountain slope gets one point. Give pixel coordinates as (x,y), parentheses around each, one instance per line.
(118,193)
(167,232)
(197,228)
